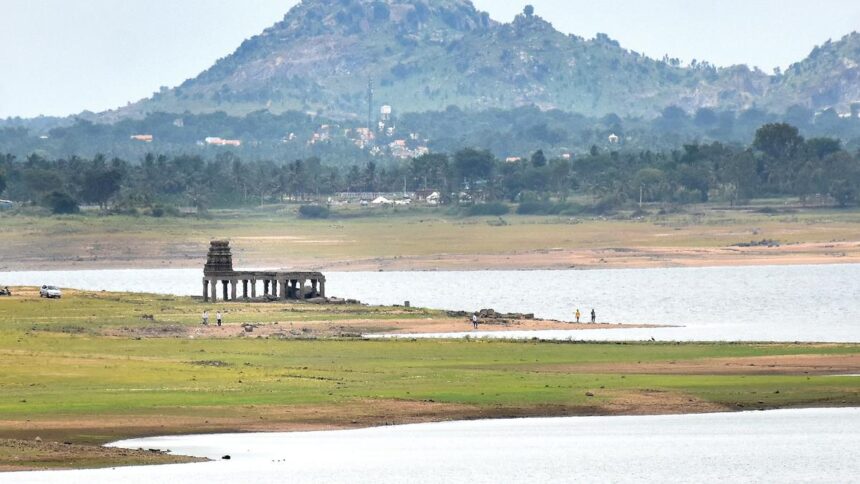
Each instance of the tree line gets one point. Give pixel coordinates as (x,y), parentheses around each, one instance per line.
(779,163)
(504,132)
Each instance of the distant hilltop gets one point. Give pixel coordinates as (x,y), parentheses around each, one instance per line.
(343,58)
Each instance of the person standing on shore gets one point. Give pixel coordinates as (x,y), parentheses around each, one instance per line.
(205,317)
(475,320)
(593,317)
(218,317)
(578,315)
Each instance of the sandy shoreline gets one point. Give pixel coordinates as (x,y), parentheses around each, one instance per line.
(548,259)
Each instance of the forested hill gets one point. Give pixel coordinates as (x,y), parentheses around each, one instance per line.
(426,55)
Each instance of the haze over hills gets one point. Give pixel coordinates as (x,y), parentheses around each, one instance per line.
(426,55)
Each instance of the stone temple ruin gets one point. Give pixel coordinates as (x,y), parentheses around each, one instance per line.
(276,285)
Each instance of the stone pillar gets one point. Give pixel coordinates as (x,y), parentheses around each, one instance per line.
(314,290)
(285,289)
(301,289)
(253,288)
(225,285)
(244,289)
(322,288)
(233,286)
(205,290)
(275,288)
(265,287)
(213,288)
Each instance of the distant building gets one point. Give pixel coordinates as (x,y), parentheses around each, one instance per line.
(365,134)
(428,195)
(401,149)
(614,139)
(386,124)
(513,159)
(146,138)
(215,141)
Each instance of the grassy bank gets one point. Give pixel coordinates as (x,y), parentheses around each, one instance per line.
(428,239)
(95,367)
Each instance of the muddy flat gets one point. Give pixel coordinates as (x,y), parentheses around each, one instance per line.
(353,328)
(833,365)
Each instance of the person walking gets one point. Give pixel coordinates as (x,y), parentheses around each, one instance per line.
(205,317)
(593,317)
(578,315)
(475,320)
(218,317)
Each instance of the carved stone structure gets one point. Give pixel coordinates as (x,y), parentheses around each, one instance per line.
(275,284)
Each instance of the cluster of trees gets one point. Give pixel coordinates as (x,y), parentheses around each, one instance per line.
(504,132)
(527,129)
(780,162)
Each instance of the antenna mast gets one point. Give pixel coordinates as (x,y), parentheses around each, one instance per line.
(370,103)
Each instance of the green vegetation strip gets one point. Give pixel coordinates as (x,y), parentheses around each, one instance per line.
(75,384)
(78,375)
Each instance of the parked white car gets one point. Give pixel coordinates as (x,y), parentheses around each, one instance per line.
(50,292)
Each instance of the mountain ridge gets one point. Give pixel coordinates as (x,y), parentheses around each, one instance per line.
(426,55)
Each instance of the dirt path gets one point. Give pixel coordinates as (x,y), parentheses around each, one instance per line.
(763,365)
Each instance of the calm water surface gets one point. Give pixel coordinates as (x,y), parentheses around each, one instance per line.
(773,303)
(779,446)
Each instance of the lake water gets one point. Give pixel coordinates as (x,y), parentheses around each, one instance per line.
(771,303)
(782,446)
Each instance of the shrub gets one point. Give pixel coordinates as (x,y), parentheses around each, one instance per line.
(314,211)
(61,203)
(494,208)
(534,208)
(607,205)
(159,211)
(549,208)
(571,209)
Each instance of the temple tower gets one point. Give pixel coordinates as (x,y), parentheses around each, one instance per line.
(219,261)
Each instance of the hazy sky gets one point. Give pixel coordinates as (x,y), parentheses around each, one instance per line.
(60,57)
